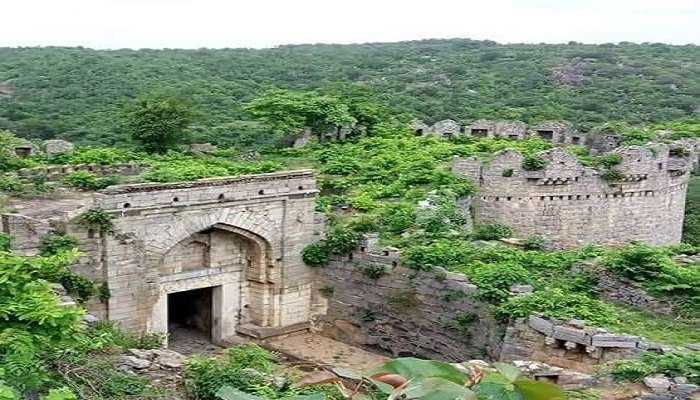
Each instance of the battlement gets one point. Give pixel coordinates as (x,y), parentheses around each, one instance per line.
(299,183)
(572,204)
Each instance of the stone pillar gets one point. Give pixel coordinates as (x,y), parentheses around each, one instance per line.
(158,323)
(225,306)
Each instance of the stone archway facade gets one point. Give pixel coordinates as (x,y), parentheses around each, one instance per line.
(240,236)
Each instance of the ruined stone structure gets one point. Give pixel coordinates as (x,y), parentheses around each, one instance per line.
(558,132)
(573,205)
(53,172)
(234,243)
(568,344)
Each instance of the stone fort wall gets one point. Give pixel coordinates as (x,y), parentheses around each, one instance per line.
(573,205)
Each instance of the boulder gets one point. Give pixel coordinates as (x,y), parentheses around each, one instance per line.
(134,362)
(90,319)
(168,358)
(657,383)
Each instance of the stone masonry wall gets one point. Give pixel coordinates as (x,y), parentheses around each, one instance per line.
(567,344)
(404,312)
(54,172)
(571,205)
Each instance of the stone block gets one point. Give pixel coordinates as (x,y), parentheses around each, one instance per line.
(541,325)
(612,340)
(570,334)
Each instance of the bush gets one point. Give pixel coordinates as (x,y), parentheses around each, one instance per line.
(558,303)
(535,242)
(316,254)
(684,364)
(11,184)
(534,163)
(244,367)
(637,261)
(5,242)
(373,271)
(84,180)
(53,244)
(612,175)
(495,280)
(492,231)
(97,218)
(327,290)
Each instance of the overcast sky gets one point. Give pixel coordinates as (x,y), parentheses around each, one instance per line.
(267,23)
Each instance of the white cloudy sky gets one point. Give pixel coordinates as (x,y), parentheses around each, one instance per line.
(265,23)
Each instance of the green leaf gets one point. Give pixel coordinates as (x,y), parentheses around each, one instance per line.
(508,371)
(414,368)
(496,391)
(538,390)
(435,389)
(229,393)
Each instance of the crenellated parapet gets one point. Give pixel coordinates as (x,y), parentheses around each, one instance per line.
(642,198)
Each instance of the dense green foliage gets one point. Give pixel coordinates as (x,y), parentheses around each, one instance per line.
(684,364)
(157,122)
(79,93)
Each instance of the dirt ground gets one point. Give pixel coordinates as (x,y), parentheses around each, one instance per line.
(323,351)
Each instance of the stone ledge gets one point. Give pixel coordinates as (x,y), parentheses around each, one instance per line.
(264,332)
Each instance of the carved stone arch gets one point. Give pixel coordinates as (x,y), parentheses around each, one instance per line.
(160,241)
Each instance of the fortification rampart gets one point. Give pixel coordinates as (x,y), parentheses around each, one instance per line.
(574,205)
(53,172)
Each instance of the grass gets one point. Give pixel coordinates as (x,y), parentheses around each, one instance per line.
(657,328)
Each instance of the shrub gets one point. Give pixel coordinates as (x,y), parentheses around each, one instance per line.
(327,290)
(461,323)
(494,280)
(5,241)
(11,184)
(558,303)
(243,367)
(492,231)
(534,163)
(373,271)
(77,285)
(608,160)
(366,314)
(54,243)
(97,218)
(316,254)
(637,261)
(535,242)
(684,364)
(612,175)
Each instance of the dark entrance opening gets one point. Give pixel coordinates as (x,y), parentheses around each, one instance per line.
(545,134)
(190,313)
(419,132)
(480,132)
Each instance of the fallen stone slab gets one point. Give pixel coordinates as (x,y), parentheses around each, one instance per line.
(572,335)
(658,384)
(541,325)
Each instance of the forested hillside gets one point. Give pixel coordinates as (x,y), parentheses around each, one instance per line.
(78,93)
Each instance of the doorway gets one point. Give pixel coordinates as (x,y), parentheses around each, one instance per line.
(190,319)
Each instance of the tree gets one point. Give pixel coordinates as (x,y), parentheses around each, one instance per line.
(158,122)
(286,111)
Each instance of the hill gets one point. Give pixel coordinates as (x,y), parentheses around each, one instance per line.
(78,93)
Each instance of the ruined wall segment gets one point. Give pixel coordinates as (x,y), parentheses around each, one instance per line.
(572,205)
(242,236)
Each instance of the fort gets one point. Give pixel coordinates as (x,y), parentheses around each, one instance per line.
(572,205)
(224,255)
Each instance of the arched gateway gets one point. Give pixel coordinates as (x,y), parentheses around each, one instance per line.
(222,254)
